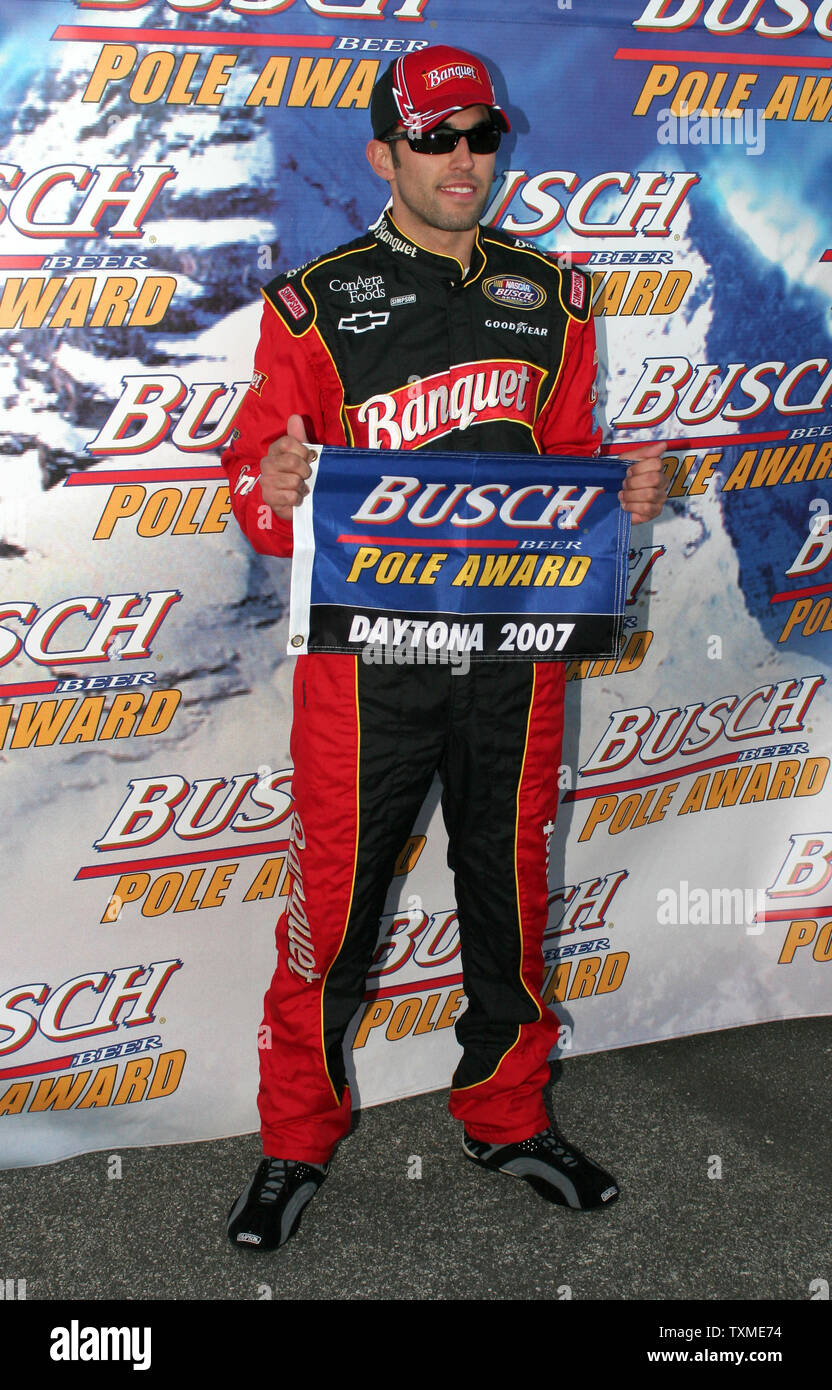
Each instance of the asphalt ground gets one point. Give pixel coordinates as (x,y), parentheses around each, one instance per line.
(720,1142)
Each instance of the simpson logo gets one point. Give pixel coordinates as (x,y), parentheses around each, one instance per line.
(453,72)
(258,381)
(577,291)
(402,299)
(296,308)
(513,291)
(469,394)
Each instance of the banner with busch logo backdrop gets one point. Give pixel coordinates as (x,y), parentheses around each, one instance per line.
(160,162)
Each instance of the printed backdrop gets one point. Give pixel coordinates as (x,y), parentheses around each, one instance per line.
(160,161)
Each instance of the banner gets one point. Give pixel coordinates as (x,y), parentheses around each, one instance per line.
(479,567)
(159,163)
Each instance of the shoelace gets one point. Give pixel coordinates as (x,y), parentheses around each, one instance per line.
(547,1140)
(276,1177)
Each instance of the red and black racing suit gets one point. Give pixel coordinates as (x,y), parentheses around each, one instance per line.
(385,344)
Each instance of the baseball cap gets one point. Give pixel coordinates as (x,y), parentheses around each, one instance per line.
(423,88)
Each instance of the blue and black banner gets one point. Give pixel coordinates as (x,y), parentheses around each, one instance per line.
(500,556)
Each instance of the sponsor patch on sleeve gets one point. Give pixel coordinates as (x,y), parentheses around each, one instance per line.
(296,307)
(577,290)
(258,381)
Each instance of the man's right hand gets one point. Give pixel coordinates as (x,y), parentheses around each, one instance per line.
(285,468)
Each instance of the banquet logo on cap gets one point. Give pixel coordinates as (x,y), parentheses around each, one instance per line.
(434,77)
(510,289)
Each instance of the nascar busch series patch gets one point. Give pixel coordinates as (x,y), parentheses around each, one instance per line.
(514,291)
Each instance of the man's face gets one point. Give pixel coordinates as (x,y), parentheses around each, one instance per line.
(445,191)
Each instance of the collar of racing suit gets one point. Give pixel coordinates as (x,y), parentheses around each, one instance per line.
(403,248)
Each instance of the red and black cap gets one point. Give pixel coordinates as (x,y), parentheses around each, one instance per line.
(420,90)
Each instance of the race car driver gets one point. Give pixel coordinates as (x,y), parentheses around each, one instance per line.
(364,346)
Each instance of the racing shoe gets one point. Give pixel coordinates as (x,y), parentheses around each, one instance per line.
(267,1213)
(552,1167)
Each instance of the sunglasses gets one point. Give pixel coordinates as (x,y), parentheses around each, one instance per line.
(482,139)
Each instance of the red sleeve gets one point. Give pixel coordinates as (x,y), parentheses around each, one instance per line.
(293,375)
(566,423)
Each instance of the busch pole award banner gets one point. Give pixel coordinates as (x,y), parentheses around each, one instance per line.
(478,567)
(159,163)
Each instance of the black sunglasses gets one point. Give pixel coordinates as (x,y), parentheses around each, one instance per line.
(482,139)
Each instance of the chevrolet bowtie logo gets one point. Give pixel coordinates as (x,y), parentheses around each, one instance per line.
(362,323)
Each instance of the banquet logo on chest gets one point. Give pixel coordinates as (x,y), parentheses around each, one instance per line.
(513,291)
(472,393)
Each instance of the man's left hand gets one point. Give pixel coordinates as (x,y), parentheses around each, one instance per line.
(644,491)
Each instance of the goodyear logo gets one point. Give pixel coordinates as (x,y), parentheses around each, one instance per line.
(516,292)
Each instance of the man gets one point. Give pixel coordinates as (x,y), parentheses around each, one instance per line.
(352,346)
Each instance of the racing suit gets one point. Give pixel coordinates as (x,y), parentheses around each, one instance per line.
(385,344)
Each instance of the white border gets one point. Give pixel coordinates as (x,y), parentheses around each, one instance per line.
(303,558)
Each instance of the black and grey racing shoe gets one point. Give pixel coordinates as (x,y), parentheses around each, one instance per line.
(267,1213)
(555,1169)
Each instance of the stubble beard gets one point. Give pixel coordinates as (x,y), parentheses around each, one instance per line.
(447,219)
